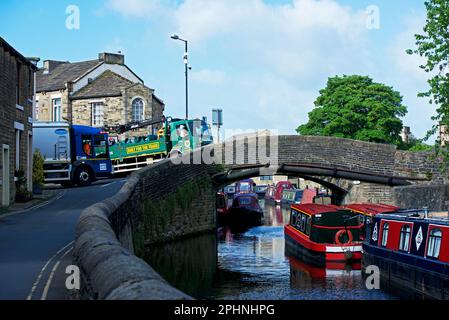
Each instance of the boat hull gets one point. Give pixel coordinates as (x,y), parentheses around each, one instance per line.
(419,277)
(244,217)
(299,246)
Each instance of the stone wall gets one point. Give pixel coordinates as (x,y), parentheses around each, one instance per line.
(159,203)
(435,197)
(9,114)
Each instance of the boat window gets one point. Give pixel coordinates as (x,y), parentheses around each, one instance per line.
(293,217)
(303,222)
(433,249)
(404,241)
(385,229)
(245,201)
(308,226)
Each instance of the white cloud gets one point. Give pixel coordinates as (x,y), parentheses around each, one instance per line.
(409,64)
(270,60)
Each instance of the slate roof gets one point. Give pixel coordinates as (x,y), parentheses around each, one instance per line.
(108,84)
(16,53)
(63,73)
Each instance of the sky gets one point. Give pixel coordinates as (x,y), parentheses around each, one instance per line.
(262,61)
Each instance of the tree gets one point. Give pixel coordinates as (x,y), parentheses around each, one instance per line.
(433,45)
(358,108)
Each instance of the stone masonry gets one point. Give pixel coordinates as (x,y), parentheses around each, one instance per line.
(15,69)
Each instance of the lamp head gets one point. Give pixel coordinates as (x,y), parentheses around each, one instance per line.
(175,37)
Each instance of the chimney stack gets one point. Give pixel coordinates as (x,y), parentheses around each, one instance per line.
(50,65)
(111,58)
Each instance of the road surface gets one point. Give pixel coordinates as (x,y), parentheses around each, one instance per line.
(36,246)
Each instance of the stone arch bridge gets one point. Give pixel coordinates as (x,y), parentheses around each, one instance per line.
(175,198)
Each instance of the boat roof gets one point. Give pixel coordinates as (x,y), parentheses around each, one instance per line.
(413,215)
(372,208)
(283,183)
(245,194)
(313,209)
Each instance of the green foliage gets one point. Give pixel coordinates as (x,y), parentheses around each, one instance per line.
(157,215)
(358,108)
(433,45)
(38,168)
(22,193)
(415,145)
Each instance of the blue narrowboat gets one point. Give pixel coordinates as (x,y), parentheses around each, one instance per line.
(411,250)
(245,211)
(291,196)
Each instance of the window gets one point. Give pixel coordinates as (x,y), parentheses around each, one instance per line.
(87,145)
(385,229)
(56,109)
(434,246)
(266,178)
(293,218)
(404,241)
(309,225)
(303,222)
(97,114)
(100,147)
(138,110)
(18,147)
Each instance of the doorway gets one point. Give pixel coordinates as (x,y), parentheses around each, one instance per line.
(5,176)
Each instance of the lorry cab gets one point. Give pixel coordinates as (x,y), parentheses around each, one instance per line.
(187,135)
(90,148)
(72,154)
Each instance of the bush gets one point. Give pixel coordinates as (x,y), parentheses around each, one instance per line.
(38,169)
(22,194)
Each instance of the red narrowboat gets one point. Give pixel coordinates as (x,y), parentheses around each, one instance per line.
(323,234)
(367,211)
(279,189)
(411,250)
(314,196)
(222,208)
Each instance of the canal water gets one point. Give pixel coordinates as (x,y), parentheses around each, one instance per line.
(253,265)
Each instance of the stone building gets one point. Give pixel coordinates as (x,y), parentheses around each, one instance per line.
(16,105)
(98,93)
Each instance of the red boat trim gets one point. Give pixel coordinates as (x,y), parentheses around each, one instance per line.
(328,248)
(336,228)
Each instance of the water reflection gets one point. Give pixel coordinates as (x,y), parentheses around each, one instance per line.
(252,265)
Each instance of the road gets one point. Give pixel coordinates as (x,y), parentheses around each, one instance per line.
(36,246)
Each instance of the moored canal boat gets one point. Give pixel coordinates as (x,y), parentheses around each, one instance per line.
(222,208)
(367,211)
(279,189)
(411,250)
(245,211)
(323,234)
(291,196)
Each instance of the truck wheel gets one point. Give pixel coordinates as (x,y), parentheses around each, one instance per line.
(83,177)
(175,154)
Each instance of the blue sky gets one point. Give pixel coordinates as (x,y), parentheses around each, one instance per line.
(262,61)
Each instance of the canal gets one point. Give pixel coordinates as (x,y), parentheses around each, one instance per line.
(252,265)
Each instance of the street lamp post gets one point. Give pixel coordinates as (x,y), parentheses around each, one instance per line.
(186,62)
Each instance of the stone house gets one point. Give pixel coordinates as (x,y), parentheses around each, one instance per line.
(98,93)
(17,75)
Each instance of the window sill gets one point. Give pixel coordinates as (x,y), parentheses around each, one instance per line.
(20,107)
